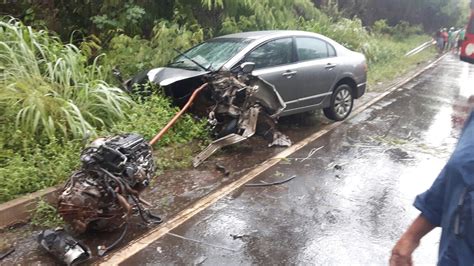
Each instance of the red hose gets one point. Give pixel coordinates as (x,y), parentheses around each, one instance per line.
(176,116)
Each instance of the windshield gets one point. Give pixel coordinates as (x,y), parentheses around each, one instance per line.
(212,54)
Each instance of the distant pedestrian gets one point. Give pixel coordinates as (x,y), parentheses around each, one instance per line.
(461,37)
(445,39)
(449,203)
(452,39)
(439,40)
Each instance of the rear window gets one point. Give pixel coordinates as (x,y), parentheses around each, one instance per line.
(312,48)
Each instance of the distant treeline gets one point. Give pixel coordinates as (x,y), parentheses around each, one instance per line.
(432,14)
(137,17)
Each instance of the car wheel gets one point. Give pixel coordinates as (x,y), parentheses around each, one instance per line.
(341,103)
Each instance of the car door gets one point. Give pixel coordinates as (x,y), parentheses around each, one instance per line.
(273,63)
(317,70)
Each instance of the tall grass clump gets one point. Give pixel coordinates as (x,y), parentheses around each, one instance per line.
(50,86)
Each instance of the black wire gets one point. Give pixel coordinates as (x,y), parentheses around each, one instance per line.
(6,254)
(271,184)
(140,210)
(107,249)
(157,220)
(117,180)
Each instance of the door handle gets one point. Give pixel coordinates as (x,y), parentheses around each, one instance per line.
(330,66)
(289,74)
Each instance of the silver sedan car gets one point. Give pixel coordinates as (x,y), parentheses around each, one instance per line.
(308,70)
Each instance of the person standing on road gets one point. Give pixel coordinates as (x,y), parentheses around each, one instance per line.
(445,39)
(461,36)
(449,203)
(451,39)
(439,40)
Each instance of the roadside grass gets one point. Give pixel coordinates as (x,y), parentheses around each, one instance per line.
(46,215)
(395,66)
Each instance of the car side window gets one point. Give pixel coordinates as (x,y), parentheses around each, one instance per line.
(311,48)
(272,53)
(331,50)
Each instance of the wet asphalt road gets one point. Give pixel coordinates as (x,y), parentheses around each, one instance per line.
(350,200)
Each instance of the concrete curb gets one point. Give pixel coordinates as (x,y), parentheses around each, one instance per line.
(19,210)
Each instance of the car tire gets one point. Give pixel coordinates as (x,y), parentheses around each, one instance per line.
(341,104)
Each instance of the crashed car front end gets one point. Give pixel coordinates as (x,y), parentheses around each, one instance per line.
(242,106)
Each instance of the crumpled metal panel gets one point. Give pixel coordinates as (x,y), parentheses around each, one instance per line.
(242,104)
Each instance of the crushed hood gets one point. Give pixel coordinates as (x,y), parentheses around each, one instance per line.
(165,76)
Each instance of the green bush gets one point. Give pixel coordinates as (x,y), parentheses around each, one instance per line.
(34,166)
(51,87)
(134,54)
(46,215)
(381,27)
(152,113)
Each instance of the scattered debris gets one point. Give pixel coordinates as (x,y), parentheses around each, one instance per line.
(222,169)
(279,174)
(271,184)
(235,237)
(399,154)
(200,260)
(242,106)
(6,253)
(63,247)
(312,152)
(201,242)
(335,166)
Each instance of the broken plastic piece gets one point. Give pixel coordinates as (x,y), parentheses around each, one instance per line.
(63,246)
(216,145)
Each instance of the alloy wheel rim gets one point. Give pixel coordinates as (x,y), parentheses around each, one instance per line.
(342,103)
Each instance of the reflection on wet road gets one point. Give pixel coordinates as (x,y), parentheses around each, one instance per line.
(350,200)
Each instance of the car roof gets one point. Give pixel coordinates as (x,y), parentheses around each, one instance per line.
(267,34)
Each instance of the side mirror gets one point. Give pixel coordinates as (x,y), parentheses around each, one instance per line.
(247,67)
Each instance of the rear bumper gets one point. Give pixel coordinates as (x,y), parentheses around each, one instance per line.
(360,90)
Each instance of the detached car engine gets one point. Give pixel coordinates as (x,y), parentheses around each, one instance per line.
(104,193)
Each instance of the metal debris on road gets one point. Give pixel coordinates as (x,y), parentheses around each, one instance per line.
(201,242)
(242,106)
(271,184)
(312,152)
(63,247)
(6,253)
(222,169)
